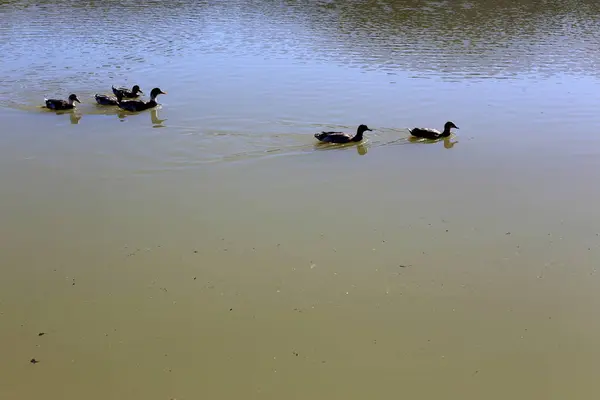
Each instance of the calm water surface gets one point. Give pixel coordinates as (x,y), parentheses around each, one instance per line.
(209,248)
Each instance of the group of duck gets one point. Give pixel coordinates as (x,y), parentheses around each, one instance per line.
(423,133)
(140,105)
(104,100)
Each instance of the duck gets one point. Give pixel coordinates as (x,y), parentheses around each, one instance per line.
(428,133)
(342,137)
(128,94)
(55,104)
(105,100)
(139,105)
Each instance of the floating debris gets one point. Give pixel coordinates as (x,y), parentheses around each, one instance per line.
(33,361)
(41,333)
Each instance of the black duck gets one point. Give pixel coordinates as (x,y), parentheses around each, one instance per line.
(428,133)
(55,104)
(105,100)
(342,137)
(126,93)
(139,105)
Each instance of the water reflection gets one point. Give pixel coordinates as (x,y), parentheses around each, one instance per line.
(475,40)
(466,40)
(74,115)
(156,121)
(447,141)
(122,115)
(449,144)
(110,110)
(74,118)
(361,148)
(243,46)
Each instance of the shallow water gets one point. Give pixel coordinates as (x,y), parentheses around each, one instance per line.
(210,248)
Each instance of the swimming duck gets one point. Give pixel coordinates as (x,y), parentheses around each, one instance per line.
(341,137)
(428,133)
(139,105)
(126,93)
(105,100)
(55,104)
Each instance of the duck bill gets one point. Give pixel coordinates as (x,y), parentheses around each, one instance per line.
(77,100)
(161,92)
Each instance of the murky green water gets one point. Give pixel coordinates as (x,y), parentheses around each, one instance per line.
(209,248)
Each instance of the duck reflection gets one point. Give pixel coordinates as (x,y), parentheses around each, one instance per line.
(361,149)
(156,121)
(122,114)
(74,117)
(448,143)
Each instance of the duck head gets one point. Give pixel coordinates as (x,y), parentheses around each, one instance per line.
(155,92)
(362,128)
(136,89)
(359,133)
(449,125)
(73,98)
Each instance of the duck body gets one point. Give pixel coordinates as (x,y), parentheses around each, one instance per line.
(139,105)
(105,100)
(433,134)
(342,137)
(427,133)
(126,93)
(56,104)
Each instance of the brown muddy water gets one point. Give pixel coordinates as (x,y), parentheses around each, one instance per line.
(210,249)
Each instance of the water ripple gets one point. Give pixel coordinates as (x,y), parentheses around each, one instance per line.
(240,73)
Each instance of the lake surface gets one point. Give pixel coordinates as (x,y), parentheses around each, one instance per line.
(211,249)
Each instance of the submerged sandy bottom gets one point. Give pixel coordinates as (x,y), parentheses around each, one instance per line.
(411,271)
